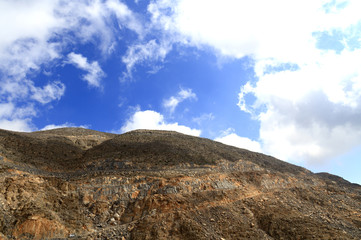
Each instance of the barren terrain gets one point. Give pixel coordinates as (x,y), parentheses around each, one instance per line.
(75,183)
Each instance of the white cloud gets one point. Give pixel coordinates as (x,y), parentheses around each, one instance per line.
(203,117)
(307,92)
(125,16)
(15,119)
(235,28)
(312,113)
(91,20)
(36,34)
(20,125)
(182,95)
(153,120)
(25,20)
(50,92)
(308,97)
(233,139)
(6,109)
(65,125)
(95,73)
(140,53)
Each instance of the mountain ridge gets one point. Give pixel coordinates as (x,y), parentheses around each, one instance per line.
(149,184)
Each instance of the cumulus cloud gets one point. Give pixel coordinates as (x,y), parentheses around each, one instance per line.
(153,120)
(311,113)
(95,73)
(27,28)
(16,118)
(182,95)
(240,28)
(306,90)
(19,125)
(233,139)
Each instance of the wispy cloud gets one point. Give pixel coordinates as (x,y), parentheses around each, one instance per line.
(64,125)
(95,73)
(39,34)
(52,91)
(204,117)
(125,16)
(148,52)
(184,94)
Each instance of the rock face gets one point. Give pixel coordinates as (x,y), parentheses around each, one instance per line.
(82,184)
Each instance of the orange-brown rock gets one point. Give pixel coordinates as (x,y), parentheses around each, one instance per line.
(78,183)
(37,227)
(2,237)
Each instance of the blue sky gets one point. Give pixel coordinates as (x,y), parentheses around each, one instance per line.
(280,77)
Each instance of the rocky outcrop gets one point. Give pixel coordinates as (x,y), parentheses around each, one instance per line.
(163,185)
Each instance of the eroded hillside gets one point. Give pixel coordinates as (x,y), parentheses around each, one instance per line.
(78,183)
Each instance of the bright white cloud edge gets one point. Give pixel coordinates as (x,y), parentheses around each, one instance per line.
(64,125)
(18,125)
(233,139)
(152,120)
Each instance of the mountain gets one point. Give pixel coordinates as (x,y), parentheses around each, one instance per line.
(74,183)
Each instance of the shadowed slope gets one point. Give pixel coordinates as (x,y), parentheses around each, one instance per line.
(73,148)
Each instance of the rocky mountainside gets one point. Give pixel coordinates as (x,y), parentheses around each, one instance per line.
(74,183)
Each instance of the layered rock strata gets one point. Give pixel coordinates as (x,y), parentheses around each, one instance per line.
(83,184)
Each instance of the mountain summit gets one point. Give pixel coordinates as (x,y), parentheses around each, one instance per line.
(83,184)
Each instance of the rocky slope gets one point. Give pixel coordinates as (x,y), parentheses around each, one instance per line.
(81,184)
